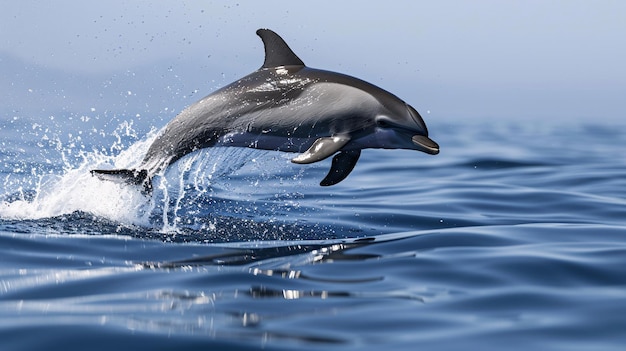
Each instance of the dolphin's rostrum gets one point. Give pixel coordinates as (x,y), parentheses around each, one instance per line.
(287,106)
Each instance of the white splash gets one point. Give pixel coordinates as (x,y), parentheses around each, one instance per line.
(77,190)
(173,204)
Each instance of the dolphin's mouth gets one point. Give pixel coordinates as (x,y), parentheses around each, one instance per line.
(426,144)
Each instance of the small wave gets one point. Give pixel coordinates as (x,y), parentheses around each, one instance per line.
(504,164)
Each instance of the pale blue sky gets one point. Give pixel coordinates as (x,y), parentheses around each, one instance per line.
(457,59)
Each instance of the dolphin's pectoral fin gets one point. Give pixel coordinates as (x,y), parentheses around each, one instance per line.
(343,164)
(321,149)
(126,176)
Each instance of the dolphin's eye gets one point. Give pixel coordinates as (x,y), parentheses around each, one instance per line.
(382,123)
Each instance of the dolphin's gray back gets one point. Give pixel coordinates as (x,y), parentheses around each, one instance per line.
(283,99)
(271,102)
(203,123)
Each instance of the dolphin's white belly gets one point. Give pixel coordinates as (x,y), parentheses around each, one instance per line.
(266,142)
(382,139)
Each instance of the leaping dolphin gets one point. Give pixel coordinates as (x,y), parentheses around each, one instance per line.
(287,106)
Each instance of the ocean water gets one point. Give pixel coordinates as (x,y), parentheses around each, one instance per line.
(514,237)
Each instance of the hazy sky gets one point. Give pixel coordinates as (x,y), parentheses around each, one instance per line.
(457,59)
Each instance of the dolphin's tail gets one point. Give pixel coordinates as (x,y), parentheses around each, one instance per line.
(126,176)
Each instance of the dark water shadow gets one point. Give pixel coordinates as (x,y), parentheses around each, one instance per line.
(258,252)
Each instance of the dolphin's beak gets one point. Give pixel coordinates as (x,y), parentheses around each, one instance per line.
(426,144)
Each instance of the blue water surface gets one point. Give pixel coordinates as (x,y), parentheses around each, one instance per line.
(513,237)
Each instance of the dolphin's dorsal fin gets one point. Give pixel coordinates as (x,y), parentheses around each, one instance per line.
(277,52)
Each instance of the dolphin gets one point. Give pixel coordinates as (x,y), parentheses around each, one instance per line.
(287,106)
